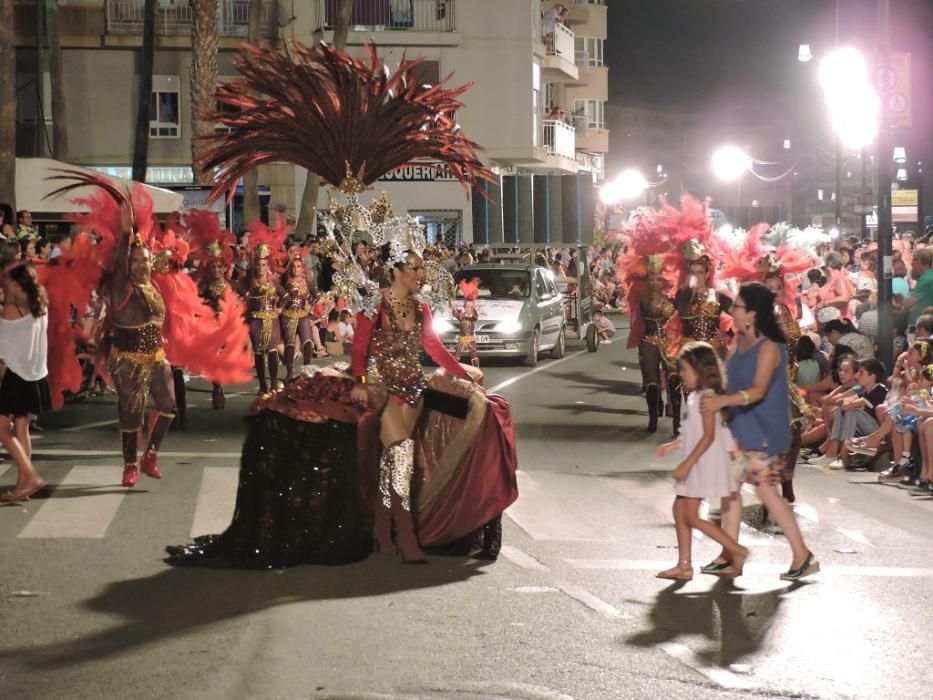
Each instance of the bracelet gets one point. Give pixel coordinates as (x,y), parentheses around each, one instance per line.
(362,379)
(746,399)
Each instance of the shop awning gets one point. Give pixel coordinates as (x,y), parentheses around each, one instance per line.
(32,186)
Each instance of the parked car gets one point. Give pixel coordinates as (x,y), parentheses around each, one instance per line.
(521,312)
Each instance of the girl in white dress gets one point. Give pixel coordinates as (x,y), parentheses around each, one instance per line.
(705,469)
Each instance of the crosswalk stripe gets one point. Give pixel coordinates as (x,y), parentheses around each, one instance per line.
(216,501)
(542,517)
(84,505)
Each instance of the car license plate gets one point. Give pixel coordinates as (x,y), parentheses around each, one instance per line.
(482,339)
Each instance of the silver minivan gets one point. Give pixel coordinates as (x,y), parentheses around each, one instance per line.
(521,312)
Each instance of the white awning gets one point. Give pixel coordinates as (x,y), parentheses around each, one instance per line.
(32,186)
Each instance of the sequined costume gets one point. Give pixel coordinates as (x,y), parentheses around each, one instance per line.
(297,327)
(701,317)
(213,292)
(137,362)
(263,308)
(466,339)
(657,367)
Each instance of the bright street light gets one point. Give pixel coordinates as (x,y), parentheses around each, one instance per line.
(730,162)
(804,54)
(610,192)
(854,106)
(900,154)
(632,184)
(901,174)
(842,69)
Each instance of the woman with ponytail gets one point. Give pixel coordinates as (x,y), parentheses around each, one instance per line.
(23,390)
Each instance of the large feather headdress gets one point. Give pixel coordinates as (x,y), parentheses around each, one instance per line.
(350,122)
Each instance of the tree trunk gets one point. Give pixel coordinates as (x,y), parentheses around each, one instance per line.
(203,82)
(7,107)
(57,80)
(306,226)
(251,207)
(144,104)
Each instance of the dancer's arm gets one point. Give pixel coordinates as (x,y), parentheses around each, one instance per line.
(435,348)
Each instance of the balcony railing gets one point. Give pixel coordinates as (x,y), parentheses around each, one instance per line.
(173,17)
(380,15)
(560,42)
(559,138)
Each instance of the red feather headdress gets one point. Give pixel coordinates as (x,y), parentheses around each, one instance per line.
(208,240)
(348,121)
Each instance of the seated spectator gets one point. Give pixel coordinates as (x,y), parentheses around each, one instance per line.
(604,326)
(842,332)
(855,415)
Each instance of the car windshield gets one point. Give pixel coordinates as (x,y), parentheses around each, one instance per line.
(497,284)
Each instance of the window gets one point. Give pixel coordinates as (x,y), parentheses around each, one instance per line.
(223,108)
(428,72)
(594,111)
(441,226)
(165,107)
(549,100)
(589,51)
(541,286)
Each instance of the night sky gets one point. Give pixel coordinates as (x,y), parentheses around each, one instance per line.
(735,60)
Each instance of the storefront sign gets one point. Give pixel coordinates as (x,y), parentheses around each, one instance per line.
(422,172)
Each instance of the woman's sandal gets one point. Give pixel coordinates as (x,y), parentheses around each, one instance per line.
(716,568)
(681,572)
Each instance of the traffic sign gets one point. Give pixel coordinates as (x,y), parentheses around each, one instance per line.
(895,79)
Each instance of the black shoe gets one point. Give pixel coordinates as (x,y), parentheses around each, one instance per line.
(909,483)
(810,567)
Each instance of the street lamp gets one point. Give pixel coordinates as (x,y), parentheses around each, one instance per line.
(804,54)
(730,163)
(900,154)
(901,174)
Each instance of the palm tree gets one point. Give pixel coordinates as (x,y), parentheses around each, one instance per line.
(203,81)
(7,106)
(56,78)
(251,208)
(143,105)
(306,225)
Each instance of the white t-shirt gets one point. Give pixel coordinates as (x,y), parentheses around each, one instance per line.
(24,346)
(345,330)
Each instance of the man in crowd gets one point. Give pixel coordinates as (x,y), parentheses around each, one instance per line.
(922,295)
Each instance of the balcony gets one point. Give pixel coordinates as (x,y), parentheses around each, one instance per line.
(594,163)
(590,14)
(390,15)
(593,140)
(173,17)
(559,138)
(558,64)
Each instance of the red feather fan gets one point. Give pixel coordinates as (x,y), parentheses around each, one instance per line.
(469,289)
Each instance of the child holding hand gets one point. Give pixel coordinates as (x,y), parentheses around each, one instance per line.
(705,469)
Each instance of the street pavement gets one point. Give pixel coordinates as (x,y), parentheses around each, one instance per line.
(570,610)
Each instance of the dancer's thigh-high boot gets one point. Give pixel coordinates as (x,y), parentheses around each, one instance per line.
(274,370)
(675,397)
(218,400)
(307,352)
(181,400)
(260,359)
(653,398)
(396,470)
(289,363)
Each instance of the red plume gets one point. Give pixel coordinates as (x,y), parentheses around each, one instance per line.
(470,289)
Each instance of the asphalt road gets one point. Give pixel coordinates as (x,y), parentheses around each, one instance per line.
(571,609)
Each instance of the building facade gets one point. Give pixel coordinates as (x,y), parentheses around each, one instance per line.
(537,104)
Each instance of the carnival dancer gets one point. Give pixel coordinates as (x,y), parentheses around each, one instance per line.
(313,486)
(263,294)
(641,271)
(296,315)
(137,362)
(388,349)
(467,316)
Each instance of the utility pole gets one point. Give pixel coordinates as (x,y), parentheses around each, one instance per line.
(837,188)
(883,165)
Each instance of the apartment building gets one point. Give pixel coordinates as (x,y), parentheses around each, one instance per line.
(523,66)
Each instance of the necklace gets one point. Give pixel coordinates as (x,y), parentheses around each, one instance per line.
(400,308)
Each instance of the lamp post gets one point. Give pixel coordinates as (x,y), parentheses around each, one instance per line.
(628,185)
(883,162)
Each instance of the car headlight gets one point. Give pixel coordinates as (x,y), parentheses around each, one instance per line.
(442,325)
(509,326)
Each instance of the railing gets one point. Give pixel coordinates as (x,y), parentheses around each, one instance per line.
(559,138)
(173,17)
(378,15)
(592,162)
(560,42)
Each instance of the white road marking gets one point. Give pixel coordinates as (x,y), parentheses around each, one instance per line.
(521,559)
(216,501)
(718,675)
(518,377)
(753,568)
(39,453)
(581,595)
(854,535)
(87,426)
(90,499)
(543,517)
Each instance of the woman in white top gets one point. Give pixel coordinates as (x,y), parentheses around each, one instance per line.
(23,390)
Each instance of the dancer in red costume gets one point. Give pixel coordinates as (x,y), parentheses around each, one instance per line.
(332,459)
(154,318)
(296,315)
(468,317)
